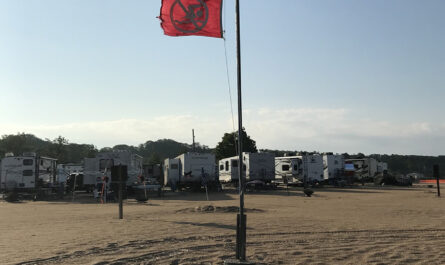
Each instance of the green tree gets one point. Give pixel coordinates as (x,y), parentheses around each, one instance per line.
(229,145)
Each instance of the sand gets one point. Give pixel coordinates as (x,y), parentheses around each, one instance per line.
(358,225)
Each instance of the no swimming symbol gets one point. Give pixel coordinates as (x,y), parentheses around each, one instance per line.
(191,18)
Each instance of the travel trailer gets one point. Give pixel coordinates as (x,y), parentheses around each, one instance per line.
(313,168)
(333,166)
(153,171)
(96,169)
(257,166)
(288,169)
(65,170)
(27,172)
(382,167)
(364,168)
(300,168)
(190,170)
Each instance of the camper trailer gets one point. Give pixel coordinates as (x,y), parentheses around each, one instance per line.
(95,169)
(190,170)
(364,168)
(333,166)
(313,168)
(288,169)
(382,167)
(27,172)
(257,166)
(300,168)
(65,170)
(153,171)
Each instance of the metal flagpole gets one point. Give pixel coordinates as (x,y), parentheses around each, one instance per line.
(241,218)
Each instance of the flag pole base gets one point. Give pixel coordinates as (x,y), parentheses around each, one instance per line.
(241,237)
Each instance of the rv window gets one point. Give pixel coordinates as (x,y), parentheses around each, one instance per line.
(227,165)
(221,167)
(174,166)
(27,173)
(285,167)
(28,162)
(234,163)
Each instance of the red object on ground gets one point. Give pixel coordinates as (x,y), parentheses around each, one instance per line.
(432,181)
(191,17)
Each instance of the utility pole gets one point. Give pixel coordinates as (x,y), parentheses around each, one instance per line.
(193,136)
(241,218)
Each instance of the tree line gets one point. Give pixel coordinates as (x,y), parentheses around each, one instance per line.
(154,152)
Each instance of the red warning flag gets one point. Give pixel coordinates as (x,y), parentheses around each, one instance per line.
(191,17)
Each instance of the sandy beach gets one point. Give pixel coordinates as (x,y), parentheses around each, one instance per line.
(354,225)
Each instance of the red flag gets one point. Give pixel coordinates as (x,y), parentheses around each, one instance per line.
(191,17)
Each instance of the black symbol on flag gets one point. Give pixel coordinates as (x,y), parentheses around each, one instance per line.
(193,18)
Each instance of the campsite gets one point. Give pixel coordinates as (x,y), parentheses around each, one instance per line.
(222,132)
(350,225)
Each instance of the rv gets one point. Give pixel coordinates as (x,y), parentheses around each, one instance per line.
(300,168)
(382,167)
(313,168)
(333,166)
(27,172)
(364,168)
(153,171)
(98,169)
(190,170)
(257,166)
(65,170)
(288,169)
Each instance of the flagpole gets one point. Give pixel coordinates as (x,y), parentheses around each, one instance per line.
(241,218)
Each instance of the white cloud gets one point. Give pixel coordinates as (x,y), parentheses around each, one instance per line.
(321,129)
(336,130)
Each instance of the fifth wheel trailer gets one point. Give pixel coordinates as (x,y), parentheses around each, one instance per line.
(257,166)
(190,170)
(95,169)
(28,172)
(364,168)
(300,168)
(334,165)
(289,169)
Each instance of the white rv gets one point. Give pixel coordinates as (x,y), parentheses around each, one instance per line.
(382,167)
(365,168)
(64,170)
(313,168)
(190,170)
(257,166)
(96,168)
(27,172)
(333,165)
(289,169)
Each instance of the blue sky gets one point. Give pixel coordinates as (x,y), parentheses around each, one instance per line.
(340,76)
